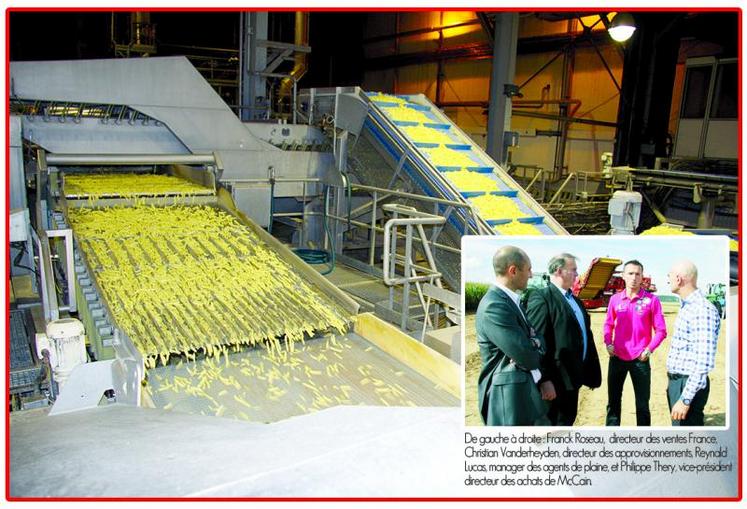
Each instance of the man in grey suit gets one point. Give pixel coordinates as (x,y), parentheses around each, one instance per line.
(571,360)
(511,352)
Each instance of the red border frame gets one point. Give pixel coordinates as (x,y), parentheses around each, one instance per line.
(591,11)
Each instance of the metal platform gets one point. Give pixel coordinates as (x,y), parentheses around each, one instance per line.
(20,334)
(24,373)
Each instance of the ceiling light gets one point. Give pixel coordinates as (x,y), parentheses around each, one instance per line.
(622,27)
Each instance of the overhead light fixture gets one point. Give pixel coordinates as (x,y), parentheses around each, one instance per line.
(622,27)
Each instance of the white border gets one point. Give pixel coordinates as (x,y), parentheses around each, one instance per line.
(725,325)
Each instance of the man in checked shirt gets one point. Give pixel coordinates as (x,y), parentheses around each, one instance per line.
(692,354)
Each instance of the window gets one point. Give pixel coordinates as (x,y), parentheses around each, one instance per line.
(697,81)
(725,92)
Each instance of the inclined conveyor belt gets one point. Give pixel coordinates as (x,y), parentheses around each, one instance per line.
(444,162)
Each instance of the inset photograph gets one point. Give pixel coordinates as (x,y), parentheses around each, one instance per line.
(595,331)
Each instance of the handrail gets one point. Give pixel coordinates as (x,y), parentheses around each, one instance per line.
(418,219)
(562,187)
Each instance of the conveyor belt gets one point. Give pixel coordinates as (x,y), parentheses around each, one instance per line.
(186,279)
(95,186)
(257,386)
(595,279)
(444,162)
(230,321)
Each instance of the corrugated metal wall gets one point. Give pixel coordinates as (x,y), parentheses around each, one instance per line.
(468,80)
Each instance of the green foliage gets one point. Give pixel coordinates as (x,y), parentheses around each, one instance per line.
(473,292)
(668,298)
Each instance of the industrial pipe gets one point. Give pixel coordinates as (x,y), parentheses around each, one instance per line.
(301,59)
(539,103)
(127,159)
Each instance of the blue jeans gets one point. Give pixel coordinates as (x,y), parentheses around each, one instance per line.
(640,375)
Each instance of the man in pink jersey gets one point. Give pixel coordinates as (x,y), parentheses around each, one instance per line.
(632,315)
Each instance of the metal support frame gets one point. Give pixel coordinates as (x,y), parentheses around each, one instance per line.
(398,170)
(277,53)
(48,293)
(540,175)
(504,69)
(67,234)
(414,273)
(130,159)
(414,219)
(569,56)
(571,176)
(253,103)
(675,179)
(707,212)
(437,202)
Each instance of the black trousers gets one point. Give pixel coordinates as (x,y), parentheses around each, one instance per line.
(695,416)
(564,407)
(640,375)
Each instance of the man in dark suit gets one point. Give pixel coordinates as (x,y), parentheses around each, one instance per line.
(571,359)
(511,352)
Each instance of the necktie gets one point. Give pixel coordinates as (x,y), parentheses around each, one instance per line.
(579,318)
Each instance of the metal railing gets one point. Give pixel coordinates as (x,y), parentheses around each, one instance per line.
(410,275)
(378,195)
(416,220)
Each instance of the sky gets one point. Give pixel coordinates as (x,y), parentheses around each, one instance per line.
(657,254)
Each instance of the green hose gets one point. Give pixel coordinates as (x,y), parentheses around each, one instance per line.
(319,256)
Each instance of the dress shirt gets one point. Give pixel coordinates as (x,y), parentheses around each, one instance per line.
(568,296)
(629,322)
(693,348)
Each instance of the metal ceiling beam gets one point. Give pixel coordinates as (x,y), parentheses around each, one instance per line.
(475,51)
(488,25)
(479,51)
(419,31)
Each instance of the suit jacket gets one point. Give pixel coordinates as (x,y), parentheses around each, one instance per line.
(555,320)
(507,393)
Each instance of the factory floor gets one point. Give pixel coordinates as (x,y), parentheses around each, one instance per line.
(120,451)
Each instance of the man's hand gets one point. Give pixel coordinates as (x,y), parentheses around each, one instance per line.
(645,354)
(611,350)
(679,411)
(547,389)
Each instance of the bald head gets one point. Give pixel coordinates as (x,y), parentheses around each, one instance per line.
(686,269)
(683,277)
(512,267)
(507,256)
